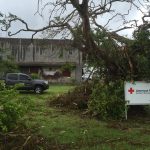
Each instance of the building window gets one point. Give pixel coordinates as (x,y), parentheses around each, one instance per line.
(66,73)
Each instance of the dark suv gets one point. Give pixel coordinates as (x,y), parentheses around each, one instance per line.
(27,82)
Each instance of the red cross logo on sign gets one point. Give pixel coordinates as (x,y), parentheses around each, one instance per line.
(131,90)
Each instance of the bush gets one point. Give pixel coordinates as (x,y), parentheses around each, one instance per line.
(69,67)
(12,107)
(107,100)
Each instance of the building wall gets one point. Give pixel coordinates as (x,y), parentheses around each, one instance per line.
(43,53)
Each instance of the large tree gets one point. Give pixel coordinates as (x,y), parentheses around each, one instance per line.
(82,19)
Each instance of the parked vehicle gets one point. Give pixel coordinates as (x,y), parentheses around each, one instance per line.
(86,77)
(27,83)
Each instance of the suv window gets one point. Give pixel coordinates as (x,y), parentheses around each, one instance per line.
(12,76)
(23,77)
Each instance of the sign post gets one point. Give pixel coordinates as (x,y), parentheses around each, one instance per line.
(126,112)
(136,93)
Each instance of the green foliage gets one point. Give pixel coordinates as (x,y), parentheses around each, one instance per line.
(110,61)
(35,76)
(141,49)
(67,67)
(107,100)
(12,107)
(122,62)
(128,61)
(8,66)
(7,63)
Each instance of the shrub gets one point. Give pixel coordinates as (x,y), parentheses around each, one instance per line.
(107,100)
(69,67)
(12,107)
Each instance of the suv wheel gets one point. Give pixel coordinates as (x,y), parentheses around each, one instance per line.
(38,90)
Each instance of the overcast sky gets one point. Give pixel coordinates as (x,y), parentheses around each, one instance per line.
(26,9)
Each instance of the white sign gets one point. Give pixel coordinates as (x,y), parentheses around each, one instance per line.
(137,93)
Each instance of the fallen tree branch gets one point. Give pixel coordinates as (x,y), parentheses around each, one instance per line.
(26,141)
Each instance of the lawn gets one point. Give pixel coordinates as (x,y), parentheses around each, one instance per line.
(70,130)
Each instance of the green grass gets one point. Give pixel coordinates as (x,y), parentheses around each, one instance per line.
(76,132)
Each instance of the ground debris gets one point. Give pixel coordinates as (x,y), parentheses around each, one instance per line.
(27,141)
(76,99)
